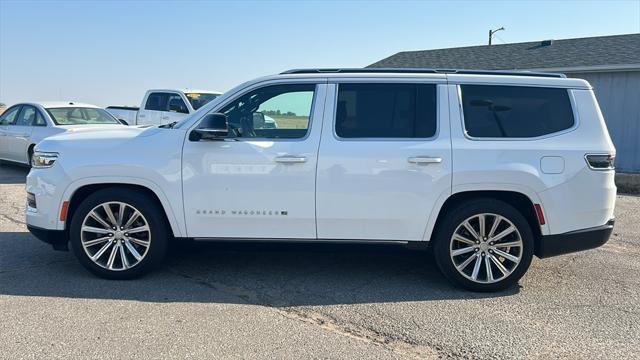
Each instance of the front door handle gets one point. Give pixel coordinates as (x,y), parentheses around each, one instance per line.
(290,159)
(424,160)
(165,118)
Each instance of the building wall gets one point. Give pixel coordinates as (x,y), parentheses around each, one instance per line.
(619,96)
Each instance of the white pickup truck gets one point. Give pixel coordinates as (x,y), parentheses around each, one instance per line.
(163,106)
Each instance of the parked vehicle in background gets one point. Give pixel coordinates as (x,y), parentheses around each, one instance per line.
(126,114)
(488,168)
(24,125)
(164,106)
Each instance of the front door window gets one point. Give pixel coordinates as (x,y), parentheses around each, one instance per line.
(272,112)
(9,116)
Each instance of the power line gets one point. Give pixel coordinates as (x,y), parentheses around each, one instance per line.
(499,38)
(492,32)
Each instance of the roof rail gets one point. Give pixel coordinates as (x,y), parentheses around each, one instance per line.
(423,71)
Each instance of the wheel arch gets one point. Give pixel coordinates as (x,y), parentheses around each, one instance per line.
(75,195)
(519,200)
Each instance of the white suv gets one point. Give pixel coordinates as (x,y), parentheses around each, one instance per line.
(489,168)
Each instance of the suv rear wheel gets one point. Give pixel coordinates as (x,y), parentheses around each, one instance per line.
(484,245)
(118,233)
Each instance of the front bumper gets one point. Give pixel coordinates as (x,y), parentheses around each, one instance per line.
(573,241)
(57,238)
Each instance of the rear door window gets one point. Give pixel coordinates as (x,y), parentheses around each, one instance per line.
(157,101)
(27,116)
(495,111)
(386,111)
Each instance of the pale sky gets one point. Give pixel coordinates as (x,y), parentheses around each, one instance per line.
(111,52)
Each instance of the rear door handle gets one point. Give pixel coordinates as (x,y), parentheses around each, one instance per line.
(290,159)
(424,160)
(165,118)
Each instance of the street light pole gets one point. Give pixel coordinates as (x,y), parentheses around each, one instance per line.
(491,32)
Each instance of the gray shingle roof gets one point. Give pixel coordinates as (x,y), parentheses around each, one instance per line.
(568,53)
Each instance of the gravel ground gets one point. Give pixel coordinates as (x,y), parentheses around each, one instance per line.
(311,301)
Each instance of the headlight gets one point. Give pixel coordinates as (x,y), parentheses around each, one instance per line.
(43,159)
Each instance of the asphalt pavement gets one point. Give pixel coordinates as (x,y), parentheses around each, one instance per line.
(228,300)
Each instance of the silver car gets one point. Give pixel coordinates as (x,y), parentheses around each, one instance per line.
(23,125)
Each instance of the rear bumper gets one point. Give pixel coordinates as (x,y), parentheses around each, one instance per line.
(57,238)
(585,239)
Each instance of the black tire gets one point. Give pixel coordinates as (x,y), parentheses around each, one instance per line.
(455,217)
(30,155)
(152,213)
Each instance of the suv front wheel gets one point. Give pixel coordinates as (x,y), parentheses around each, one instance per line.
(118,233)
(484,245)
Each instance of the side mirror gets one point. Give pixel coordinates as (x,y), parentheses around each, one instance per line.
(212,127)
(123,122)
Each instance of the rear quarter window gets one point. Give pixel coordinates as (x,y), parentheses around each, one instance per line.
(494,111)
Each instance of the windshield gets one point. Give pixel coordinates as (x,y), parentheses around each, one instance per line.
(81,116)
(197,100)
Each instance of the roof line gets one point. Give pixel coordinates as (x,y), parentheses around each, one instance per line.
(593,68)
(518,43)
(423,71)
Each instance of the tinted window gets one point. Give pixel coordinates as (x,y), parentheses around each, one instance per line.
(157,101)
(9,116)
(515,111)
(279,112)
(386,111)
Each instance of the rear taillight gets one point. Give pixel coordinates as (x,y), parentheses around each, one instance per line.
(600,161)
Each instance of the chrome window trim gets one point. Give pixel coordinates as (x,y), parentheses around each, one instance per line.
(439,86)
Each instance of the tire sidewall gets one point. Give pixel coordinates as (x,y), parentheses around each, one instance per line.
(462,212)
(148,208)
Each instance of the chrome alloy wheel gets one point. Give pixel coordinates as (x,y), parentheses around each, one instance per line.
(486,248)
(115,236)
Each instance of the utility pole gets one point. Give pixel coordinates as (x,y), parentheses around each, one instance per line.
(491,32)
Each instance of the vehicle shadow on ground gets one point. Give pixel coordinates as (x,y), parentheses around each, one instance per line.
(12,174)
(246,273)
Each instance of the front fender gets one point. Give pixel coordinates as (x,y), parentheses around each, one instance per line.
(177,226)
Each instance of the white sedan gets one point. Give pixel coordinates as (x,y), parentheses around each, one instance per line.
(24,125)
